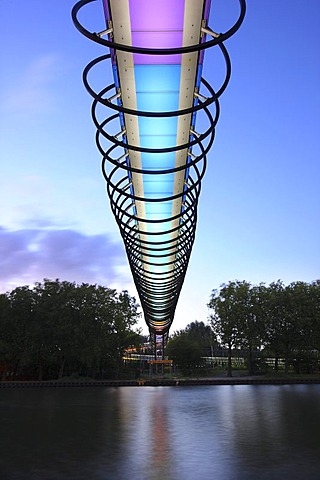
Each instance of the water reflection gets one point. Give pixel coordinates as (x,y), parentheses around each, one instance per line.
(161,444)
(167,433)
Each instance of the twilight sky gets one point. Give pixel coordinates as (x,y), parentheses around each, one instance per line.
(260,202)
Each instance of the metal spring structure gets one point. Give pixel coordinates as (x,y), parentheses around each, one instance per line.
(154,165)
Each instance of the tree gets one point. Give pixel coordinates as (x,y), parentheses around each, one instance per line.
(187,348)
(251,320)
(313,331)
(6,337)
(60,327)
(203,335)
(53,328)
(19,321)
(224,318)
(238,318)
(288,314)
(124,316)
(185,353)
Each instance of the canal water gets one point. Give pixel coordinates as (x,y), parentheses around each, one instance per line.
(242,432)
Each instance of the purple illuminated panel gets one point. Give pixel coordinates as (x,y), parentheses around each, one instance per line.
(145,11)
(152,27)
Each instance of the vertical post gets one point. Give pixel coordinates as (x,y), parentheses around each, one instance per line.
(155,353)
(162,347)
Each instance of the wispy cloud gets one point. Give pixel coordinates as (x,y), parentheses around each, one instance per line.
(31,92)
(29,255)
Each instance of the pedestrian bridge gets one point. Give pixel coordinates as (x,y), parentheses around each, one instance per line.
(155,126)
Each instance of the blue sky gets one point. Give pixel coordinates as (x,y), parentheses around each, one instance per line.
(259,207)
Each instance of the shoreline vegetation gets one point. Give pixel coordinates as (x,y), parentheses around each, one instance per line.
(58,331)
(290,379)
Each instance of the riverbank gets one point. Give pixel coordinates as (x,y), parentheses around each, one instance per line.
(168,382)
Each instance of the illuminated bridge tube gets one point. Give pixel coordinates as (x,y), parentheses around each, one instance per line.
(153,156)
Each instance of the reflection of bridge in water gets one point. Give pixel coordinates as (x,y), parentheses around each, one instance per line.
(154,158)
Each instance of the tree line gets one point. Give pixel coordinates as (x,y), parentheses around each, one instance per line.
(58,328)
(255,322)
(276,320)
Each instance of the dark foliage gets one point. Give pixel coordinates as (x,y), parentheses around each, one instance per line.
(187,348)
(276,320)
(59,328)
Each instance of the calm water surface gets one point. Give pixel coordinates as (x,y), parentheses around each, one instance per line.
(161,433)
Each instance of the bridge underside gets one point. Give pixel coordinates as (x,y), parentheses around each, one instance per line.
(158,215)
(157,158)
